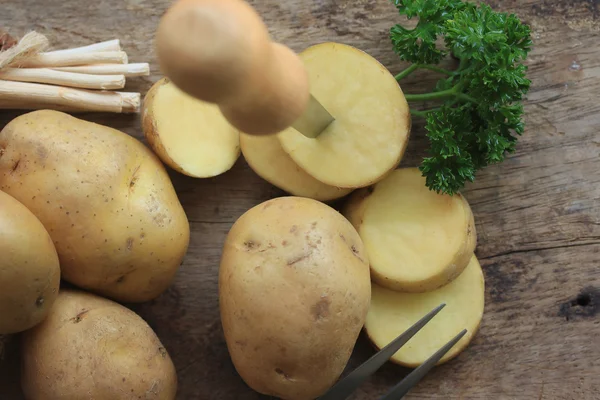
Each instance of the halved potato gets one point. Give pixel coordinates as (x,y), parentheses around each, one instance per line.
(372,125)
(267,158)
(189,135)
(417,240)
(391,313)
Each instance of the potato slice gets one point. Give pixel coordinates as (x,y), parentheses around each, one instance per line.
(189,135)
(417,240)
(392,313)
(267,158)
(372,125)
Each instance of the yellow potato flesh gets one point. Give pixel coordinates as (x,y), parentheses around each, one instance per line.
(267,158)
(372,118)
(417,240)
(392,313)
(189,135)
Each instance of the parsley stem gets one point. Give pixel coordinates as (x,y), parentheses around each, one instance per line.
(416,113)
(407,72)
(432,96)
(436,69)
(414,67)
(423,114)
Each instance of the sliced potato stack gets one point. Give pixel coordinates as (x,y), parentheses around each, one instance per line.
(417,240)
(189,135)
(365,142)
(421,250)
(391,313)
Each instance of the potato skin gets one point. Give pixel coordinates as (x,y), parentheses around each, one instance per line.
(294,291)
(105,199)
(29,268)
(93,348)
(150,131)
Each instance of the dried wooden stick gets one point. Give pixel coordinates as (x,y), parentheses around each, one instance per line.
(109,45)
(61,78)
(137,69)
(47,60)
(31,96)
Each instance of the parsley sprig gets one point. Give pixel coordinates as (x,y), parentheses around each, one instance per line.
(479,117)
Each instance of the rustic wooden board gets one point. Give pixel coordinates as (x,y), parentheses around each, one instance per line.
(538,214)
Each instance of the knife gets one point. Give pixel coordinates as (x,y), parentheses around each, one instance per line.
(220,51)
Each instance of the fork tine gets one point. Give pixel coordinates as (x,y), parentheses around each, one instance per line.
(414,377)
(346,386)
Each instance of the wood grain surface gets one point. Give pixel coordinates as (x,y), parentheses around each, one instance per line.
(537,214)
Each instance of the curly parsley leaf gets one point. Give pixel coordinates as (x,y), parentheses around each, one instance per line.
(480,115)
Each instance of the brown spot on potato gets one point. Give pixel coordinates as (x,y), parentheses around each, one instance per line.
(314,225)
(280,372)
(356,252)
(294,229)
(79,317)
(251,244)
(342,237)
(39,301)
(15,166)
(163,352)
(321,309)
(129,243)
(159,219)
(297,259)
(284,243)
(241,343)
(134,177)
(42,152)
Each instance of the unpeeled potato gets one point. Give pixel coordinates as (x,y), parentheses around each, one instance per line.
(93,348)
(105,199)
(294,289)
(189,135)
(29,268)
(417,240)
(392,313)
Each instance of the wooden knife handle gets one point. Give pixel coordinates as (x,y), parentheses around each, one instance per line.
(220,51)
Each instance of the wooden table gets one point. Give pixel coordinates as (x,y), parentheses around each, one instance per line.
(538,213)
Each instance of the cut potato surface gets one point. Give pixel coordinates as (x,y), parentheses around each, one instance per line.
(189,135)
(372,125)
(267,158)
(417,240)
(392,313)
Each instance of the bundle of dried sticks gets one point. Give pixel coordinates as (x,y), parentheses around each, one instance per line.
(79,79)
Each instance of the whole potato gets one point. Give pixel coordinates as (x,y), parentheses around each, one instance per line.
(29,268)
(294,292)
(93,348)
(105,199)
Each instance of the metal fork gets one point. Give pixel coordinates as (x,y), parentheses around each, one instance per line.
(350,383)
